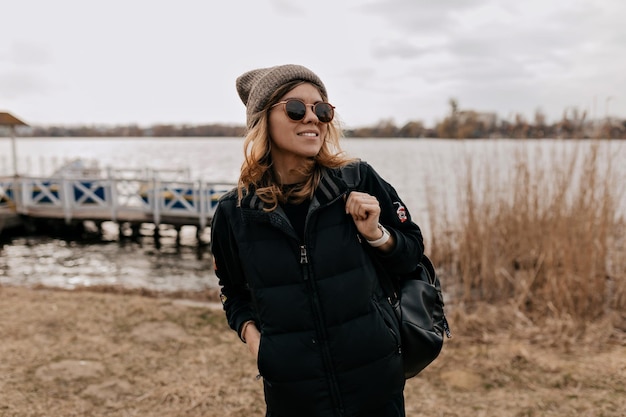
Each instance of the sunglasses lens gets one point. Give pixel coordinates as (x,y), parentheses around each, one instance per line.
(295,109)
(324,112)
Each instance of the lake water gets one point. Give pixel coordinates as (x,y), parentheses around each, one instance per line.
(416,168)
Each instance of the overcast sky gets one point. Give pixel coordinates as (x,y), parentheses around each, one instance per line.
(155,61)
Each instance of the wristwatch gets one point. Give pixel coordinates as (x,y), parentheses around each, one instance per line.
(381,240)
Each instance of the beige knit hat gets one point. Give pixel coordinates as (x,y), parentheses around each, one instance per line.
(255,87)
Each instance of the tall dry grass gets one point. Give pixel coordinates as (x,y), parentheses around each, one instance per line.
(546,234)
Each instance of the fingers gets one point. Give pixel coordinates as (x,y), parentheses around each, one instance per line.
(361,206)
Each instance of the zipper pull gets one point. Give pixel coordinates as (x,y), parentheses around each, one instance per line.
(303,258)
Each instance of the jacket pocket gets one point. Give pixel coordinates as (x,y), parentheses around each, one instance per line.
(259,358)
(390,321)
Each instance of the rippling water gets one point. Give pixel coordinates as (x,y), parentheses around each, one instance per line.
(54,262)
(415,167)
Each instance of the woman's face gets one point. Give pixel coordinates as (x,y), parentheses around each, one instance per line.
(293,140)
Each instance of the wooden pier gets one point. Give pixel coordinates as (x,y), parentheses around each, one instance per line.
(121,196)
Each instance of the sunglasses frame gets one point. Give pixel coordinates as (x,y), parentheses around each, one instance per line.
(332,109)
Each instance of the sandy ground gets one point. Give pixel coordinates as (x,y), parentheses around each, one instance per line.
(86,353)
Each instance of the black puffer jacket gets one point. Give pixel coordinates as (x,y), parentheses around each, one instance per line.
(329,345)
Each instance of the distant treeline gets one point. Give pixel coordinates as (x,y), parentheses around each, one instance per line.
(161,130)
(459,124)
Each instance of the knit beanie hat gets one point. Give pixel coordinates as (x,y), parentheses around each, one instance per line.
(255,87)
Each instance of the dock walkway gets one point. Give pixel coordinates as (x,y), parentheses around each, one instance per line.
(121,196)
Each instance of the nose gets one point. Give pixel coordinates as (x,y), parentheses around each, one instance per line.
(309,115)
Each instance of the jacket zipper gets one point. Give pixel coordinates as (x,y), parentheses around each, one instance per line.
(303,258)
(320,329)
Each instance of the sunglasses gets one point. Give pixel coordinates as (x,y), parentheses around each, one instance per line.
(296,110)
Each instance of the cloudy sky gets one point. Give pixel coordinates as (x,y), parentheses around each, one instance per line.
(156,61)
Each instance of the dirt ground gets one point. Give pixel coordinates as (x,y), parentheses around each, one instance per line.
(101,353)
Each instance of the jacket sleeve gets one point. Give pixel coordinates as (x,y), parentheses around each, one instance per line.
(235,294)
(396,218)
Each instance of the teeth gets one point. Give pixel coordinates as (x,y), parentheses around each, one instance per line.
(308,134)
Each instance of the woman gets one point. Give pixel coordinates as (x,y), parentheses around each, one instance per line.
(296,250)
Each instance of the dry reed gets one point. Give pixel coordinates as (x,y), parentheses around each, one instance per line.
(546,236)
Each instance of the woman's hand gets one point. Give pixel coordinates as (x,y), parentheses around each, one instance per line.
(252,336)
(365,211)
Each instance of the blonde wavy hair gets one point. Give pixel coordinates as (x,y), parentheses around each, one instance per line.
(256,171)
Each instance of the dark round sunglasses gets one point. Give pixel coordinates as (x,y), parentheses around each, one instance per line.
(296,110)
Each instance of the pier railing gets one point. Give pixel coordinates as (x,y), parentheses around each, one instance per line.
(113,198)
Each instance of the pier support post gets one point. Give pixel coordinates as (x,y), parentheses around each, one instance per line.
(178,229)
(157,236)
(199,236)
(135,231)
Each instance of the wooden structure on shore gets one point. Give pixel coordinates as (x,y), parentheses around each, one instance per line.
(122,196)
(10,121)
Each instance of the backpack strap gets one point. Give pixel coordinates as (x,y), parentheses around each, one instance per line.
(351,174)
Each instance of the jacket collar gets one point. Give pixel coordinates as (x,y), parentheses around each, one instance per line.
(330,187)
